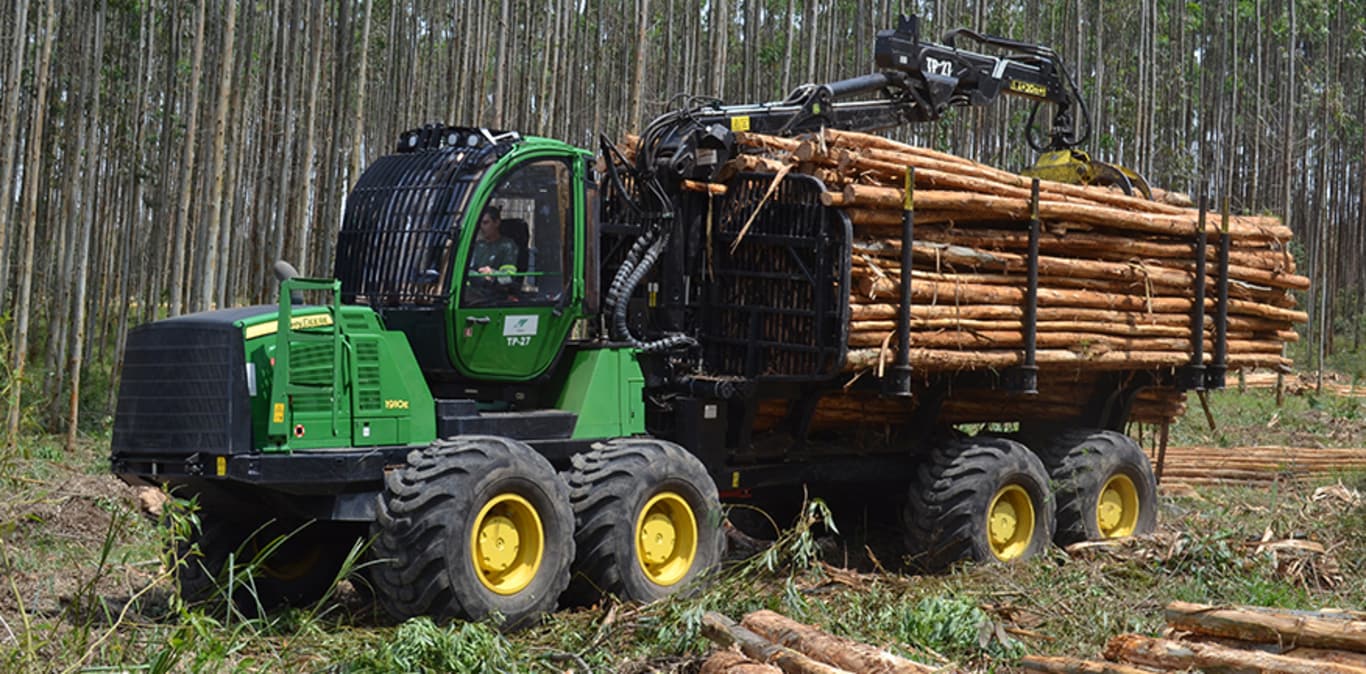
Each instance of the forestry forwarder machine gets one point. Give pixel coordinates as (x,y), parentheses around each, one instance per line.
(494,432)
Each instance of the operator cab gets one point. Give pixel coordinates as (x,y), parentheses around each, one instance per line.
(466,240)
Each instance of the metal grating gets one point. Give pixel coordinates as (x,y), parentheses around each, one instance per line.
(401,223)
(367,374)
(777,308)
(183,390)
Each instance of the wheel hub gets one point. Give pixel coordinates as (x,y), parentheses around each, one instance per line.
(1010,522)
(666,538)
(657,538)
(498,543)
(1003,524)
(506,544)
(1117,507)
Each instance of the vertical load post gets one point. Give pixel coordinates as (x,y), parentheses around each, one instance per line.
(1192,376)
(1024,378)
(900,384)
(1214,377)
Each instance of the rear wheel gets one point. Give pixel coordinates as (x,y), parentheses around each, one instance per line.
(1103,483)
(473,526)
(647,519)
(979,499)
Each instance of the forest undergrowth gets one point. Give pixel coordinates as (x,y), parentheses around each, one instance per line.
(87,587)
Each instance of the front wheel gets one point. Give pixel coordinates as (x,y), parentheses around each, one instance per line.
(979,499)
(647,519)
(470,527)
(1104,485)
(273,564)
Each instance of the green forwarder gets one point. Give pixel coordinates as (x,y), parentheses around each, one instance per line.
(495,432)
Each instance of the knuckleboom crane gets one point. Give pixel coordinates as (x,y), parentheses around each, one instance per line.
(918,81)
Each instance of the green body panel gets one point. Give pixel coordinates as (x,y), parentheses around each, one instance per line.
(518,343)
(605,388)
(323,383)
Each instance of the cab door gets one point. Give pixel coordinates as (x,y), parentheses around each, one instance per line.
(511,318)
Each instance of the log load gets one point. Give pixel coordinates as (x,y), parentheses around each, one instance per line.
(1116,275)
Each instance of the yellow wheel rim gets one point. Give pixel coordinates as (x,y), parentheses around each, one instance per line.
(507,543)
(666,538)
(1010,522)
(1117,508)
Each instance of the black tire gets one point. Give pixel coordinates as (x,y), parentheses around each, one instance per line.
(1081,463)
(610,488)
(425,529)
(946,520)
(201,558)
(298,571)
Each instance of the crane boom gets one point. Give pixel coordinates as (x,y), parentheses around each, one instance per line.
(917,81)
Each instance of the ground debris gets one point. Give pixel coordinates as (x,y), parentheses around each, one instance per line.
(1304,562)
(1161,546)
(1336,498)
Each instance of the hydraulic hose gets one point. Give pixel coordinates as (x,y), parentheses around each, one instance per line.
(616,290)
(621,329)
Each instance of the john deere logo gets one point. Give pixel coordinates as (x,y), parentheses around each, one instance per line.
(520,325)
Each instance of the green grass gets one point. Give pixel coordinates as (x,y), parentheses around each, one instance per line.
(83,585)
(1248,418)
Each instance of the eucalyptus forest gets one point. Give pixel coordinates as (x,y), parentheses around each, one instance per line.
(158,155)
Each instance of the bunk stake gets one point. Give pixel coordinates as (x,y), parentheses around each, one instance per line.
(900,382)
(1214,377)
(1024,378)
(1191,377)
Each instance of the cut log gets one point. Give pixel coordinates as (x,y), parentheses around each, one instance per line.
(1329,655)
(837,651)
(1098,245)
(734,662)
(1182,224)
(726,632)
(1058,665)
(1169,654)
(1258,624)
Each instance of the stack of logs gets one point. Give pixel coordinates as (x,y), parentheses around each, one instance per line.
(1116,272)
(1233,639)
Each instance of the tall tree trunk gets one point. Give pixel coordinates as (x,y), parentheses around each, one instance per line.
(358,119)
(720,26)
(29,222)
(87,225)
(500,64)
(642,48)
(180,240)
(304,220)
(11,131)
(787,46)
(216,169)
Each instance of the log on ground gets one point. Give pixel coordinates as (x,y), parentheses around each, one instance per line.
(838,651)
(1268,625)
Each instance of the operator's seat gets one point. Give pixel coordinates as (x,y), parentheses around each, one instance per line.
(517,230)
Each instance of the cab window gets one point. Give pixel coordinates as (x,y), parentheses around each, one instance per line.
(517,255)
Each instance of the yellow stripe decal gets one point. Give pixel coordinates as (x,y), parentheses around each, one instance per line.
(295,323)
